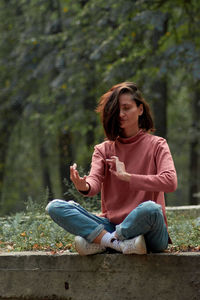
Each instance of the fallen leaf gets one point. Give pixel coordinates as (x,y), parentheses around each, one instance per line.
(23,233)
(59,245)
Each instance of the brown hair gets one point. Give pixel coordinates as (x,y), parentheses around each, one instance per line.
(108,108)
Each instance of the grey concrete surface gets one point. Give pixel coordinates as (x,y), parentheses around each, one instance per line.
(190,210)
(40,275)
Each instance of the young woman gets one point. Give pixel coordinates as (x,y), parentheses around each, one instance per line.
(132,169)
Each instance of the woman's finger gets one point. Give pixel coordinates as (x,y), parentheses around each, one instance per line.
(110,161)
(74,166)
(72,177)
(79,182)
(115,157)
(74,174)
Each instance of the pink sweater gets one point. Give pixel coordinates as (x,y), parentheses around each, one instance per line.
(148,159)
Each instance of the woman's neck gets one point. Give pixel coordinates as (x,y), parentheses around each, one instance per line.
(129,133)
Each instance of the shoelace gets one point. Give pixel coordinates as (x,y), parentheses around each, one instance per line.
(93,246)
(131,244)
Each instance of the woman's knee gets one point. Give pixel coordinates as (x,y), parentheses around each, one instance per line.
(52,205)
(56,205)
(150,208)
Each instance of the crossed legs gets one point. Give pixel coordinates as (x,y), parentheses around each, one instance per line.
(147,219)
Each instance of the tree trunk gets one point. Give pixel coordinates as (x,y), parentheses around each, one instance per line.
(66,157)
(159,87)
(160,107)
(89,104)
(13,114)
(194,188)
(45,171)
(4,141)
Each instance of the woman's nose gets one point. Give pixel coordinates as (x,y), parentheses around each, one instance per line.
(121,113)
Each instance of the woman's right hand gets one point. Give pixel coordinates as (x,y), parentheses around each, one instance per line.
(79,182)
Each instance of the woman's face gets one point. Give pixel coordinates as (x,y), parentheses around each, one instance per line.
(129,114)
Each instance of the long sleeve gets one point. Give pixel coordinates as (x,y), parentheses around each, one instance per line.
(165,179)
(148,159)
(97,172)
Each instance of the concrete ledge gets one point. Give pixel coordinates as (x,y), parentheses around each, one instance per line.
(190,210)
(39,275)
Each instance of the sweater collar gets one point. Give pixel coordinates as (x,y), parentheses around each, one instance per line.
(131,139)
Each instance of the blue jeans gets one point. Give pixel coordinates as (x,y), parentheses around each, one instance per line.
(146,219)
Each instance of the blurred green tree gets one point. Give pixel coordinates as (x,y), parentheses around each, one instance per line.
(59,56)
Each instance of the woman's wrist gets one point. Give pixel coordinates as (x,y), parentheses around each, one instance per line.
(127,177)
(85,191)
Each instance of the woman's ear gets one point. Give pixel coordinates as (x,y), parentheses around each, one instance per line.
(141,109)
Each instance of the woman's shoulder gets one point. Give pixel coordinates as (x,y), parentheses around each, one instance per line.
(155,140)
(105,147)
(105,143)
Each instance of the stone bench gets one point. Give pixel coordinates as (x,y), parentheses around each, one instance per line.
(40,275)
(187,210)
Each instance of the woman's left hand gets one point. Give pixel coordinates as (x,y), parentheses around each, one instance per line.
(120,170)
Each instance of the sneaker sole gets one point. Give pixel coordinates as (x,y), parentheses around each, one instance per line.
(140,250)
(82,253)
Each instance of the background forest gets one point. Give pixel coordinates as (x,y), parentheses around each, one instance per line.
(57,57)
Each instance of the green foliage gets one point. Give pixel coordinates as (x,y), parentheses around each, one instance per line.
(89,203)
(33,230)
(58,57)
(184,232)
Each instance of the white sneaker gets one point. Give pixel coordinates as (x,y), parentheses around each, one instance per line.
(136,245)
(85,248)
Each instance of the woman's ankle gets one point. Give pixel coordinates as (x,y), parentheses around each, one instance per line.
(98,239)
